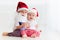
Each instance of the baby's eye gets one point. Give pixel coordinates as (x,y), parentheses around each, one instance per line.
(33,15)
(25,12)
(30,14)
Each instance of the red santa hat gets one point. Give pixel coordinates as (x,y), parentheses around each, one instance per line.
(21,6)
(34,11)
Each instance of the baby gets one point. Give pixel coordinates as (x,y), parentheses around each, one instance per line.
(22,10)
(22,19)
(31,31)
(21,23)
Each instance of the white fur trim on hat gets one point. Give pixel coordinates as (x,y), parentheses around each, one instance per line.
(32,10)
(22,9)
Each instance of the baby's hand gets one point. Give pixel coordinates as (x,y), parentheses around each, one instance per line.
(26,25)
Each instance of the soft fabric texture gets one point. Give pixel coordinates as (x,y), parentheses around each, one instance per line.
(15,33)
(32,24)
(21,5)
(29,32)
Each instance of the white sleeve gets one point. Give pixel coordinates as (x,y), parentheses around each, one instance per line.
(17,24)
(17,20)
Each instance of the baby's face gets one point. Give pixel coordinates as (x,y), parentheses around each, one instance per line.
(23,12)
(31,16)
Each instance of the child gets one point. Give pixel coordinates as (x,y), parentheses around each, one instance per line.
(31,32)
(22,15)
(21,24)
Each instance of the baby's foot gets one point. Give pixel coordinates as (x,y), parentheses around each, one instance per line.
(4,33)
(24,36)
(33,35)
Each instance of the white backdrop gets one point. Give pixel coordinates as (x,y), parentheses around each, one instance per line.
(48,10)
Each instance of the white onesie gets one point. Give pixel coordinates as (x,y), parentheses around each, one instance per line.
(32,24)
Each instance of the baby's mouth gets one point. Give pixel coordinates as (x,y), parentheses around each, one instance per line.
(31,18)
(22,15)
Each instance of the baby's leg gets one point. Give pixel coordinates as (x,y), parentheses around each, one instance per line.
(15,33)
(24,36)
(33,35)
(7,34)
(23,32)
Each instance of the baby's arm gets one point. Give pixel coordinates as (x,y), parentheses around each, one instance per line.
(26,25)
(20,26)
(37,28)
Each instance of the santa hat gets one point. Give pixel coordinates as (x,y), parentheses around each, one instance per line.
(21,6)
(34,11)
